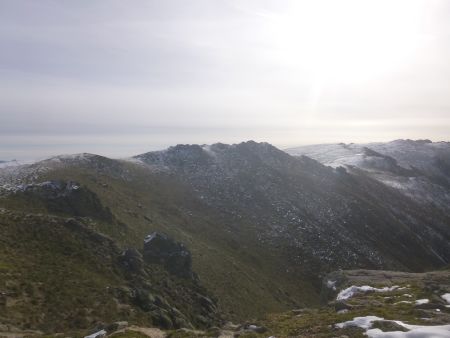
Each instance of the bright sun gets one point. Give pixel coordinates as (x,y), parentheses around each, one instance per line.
(348,41)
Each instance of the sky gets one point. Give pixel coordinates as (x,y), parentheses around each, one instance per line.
(120,78)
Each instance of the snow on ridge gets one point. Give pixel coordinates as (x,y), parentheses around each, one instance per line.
(5,164)
(30,171)
(52,185)
(133,159)
(79,156)
(207,149)
(414,331)
(14,163)
(333,155)
(408,153)
(417,160)
(353,290)
(41,163)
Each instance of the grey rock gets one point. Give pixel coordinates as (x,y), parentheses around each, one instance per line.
(116,326)
(430,306)
(174,256)
(386,325)
(339,306)
(132,260)
(255,328)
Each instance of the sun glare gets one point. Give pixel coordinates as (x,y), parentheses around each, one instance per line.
(339,42)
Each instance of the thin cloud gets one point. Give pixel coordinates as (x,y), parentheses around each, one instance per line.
(271,70)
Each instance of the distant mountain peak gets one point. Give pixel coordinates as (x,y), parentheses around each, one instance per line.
(190,154)
(410,141)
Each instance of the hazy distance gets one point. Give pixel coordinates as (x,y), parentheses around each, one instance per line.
(122,77)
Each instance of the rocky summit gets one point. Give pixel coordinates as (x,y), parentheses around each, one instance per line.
(189,240)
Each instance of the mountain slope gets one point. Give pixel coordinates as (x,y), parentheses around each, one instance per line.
(263,227)
(60,274)
(319,216)
(141,200)
(418,169)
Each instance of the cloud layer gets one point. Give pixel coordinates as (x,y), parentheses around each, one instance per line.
(119,77)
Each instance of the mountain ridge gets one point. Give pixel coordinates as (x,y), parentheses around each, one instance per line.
(263,227)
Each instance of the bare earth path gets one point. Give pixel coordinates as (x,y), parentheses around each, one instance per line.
(149,331)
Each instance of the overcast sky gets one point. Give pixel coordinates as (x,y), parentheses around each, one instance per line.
(123,77)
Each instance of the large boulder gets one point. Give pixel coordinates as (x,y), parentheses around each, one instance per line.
(174,256)
(132,261)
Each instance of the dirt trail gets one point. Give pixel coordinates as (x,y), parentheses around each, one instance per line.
(149,331)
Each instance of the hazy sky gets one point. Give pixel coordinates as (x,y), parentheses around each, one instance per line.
(123,77)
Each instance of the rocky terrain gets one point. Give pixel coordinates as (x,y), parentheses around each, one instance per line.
(195,236)
(45,283)
(418,169)
(322,217)
(356,303)
(361,303)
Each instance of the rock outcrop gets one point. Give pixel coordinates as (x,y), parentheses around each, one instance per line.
(174,256)
(131,260)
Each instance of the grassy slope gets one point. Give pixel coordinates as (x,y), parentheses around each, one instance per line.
(60,274)
(243,275)
(46,282)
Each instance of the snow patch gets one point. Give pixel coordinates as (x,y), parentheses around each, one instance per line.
(353,290)
(98,334)
(331,284)
(415,331)
(362,322)
(150,237)
(422,301)
(446,297)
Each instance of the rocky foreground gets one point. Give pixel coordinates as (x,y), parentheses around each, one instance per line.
(357,303)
